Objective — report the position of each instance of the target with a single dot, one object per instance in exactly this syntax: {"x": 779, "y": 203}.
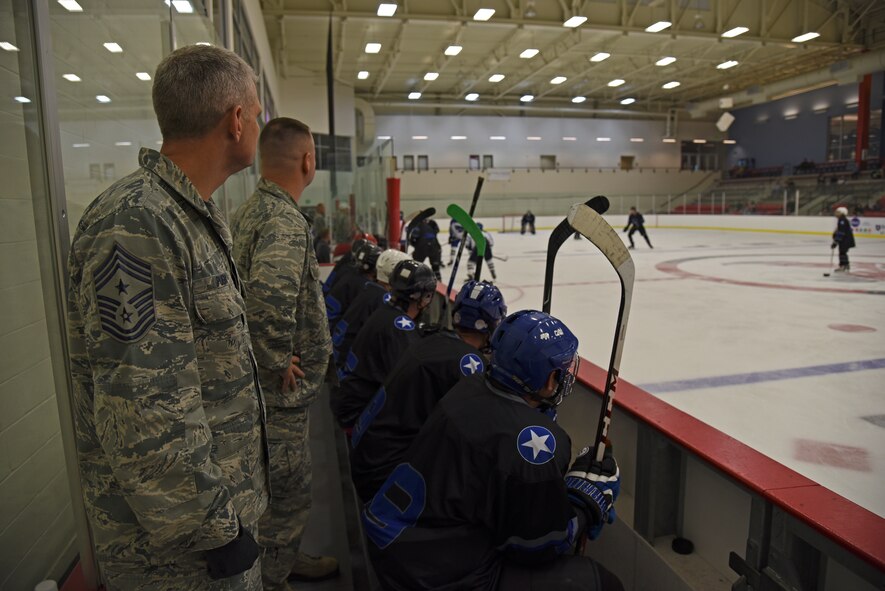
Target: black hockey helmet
{"x": 412, "y": 280}
{"x": 367, "y": 257}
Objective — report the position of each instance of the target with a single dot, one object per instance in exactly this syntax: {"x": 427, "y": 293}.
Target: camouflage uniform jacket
{"x": 273, "y": 249}
{"x": 169, "y": 416}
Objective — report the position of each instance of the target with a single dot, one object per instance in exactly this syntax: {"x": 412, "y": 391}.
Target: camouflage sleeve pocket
{"x": 218, "y": 304}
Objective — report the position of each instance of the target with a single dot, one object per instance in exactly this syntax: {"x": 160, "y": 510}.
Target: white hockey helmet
{"x": 841, "y": 211}
{"x": 387, "y": 260}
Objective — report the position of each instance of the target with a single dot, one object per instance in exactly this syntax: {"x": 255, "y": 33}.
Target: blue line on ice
{"x": 762, "y": 376}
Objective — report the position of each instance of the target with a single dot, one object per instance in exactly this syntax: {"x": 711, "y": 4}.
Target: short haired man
{"x": 166, "y": 399}
{"x": 273, "y": 247}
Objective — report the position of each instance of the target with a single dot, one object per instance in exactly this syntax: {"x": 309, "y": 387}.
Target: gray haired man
{"x": 169, "y": 416}
{"x": 274, "y": 250}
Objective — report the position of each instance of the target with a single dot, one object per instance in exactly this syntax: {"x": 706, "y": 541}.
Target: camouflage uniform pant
{"x": 282, "y": 525}
{"x": 182, "y": 578}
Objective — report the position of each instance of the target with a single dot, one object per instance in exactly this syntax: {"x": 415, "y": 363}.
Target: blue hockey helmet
{"x": 479, "y": 306}
{"x": 527, "y": 347}
{"x": 479, "y": 225}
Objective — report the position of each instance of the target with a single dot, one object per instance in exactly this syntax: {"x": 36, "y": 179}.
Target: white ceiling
{"x": 413, "y": 41}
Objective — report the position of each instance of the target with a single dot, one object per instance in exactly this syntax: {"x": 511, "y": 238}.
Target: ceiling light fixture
{"x": 496, "y": 77}
{"x": 529, "y": 53}
{"x": 453, "y": 50}
{"x": 670, "y": 85}
{"x": 79, "y": 145}
{"x": 729, "y": 141}
{"x": 419, "y": 137}
{"x": 203, "y": 43}
{"x": 735, "y": 32}
{"x": 71, "y": 5}
{"x": 805, "y": 37}
{"x": 183, "y": 6}
{"x": 431, "y": 76}
{"x": 569, "y": 138}
{"x": 22, "y": 99}
{"x": 385, "y": 9}
{"x": 665, "y": 61}
{"x": 628, "y": 101}
{"x": 71, "y": 77}
{"x": 122, "y": 143}
{"x": 472, "y": 96}
{"x": 669, "y": 140}
{"x": 527, "y": 98}
{"x": 534, "y": 138}
{"x": 7, "y": 46}
{"x": 579, "y": 99}
{"x": 575, "y": 21}
{"x": 658, "y": 27}
{"x": 373, "y": 47}
{"x": 144, "y": 76}
{"x": 113, "y": 47}
{"x": 383, "y": 137}
{"x": 498, "y": 138}
{"x": 102, "y": 98}
{"x": 699, "y": 141}
{"x": 558, "y": 80}
{"x": 726, "y": 65}
{"x": 459, "y": 137}
{"x": 414, "y": 96}
{"x": 483, "y": 14}
{"x": 637, "y": 140}
{"x": 603, "y": 139}
{"x": 616, "y": 82}
{"x": 362, "y": 75}
{"x": 600, "y": 56}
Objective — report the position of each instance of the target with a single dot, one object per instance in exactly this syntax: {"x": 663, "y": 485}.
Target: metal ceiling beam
{"x": 392, "y": 59}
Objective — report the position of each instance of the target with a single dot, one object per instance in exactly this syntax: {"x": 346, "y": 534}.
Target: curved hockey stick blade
{"x": 479, "y": 182}
{"x": 470, "y": 227}
{"x": 418, "y": 217}
{"x": 560, "y": 234}
{"x": 594, "y": 228}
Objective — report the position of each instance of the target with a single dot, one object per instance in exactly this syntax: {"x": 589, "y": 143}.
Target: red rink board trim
{"x": 858, "y": 530}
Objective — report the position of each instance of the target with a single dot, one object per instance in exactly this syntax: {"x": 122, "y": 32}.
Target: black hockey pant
{"x": 843, "y": 255}
{"x": 566, "y": 573}
{"x": 641, "y": 230}
{"x": 432, "y": 252}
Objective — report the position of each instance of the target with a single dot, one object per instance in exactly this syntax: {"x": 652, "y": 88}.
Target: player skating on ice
{"x": 424, "y": 238}
{"x": 484, "y": 498}
{"x": 528, "y": 221}
{"x": 389, "y": 331}
{"x": 843, "y": 237}
{"x": 421, "y": 378}
{"x": 636, "y": 223}
{"x": 456, "y": 234}
{"x": 474, "y": 257}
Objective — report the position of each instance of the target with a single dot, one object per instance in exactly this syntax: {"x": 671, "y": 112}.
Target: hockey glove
{"x": 833, "y": 245}
{"x": 235, "y": 557}
{"x": 594, "y": 487}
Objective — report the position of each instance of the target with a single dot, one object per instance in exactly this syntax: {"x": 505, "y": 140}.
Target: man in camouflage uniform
{"x": 274, "y": 251}
{"x": 168, "y": 410}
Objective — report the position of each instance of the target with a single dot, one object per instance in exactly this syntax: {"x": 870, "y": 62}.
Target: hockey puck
{"x": 826, "y": 274}
{"x": 682, "y": 546}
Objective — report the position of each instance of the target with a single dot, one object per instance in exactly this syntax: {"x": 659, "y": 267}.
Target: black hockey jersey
{"x": 378, "y": 346}
{"x": 844, "y": 236}
{"x": 636, "y": 220}
{"x": 482, "y": 482}
{"x": 342, "y": 268}
{"x": 343, "y": 334}
{"x": 342, "y": 295}
{"x": 386, "y": 428}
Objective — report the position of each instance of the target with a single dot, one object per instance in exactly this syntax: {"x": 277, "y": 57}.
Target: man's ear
{"x": 235, "y": 122}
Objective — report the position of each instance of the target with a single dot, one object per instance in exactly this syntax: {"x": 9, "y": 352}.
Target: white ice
{"x": 753, "y": 302}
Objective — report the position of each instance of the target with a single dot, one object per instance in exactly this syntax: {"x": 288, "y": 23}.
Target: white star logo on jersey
{"x": 471, "y": 364}
{"x": 387, "y": 297}
{"x": 536, "y": 444}
{"x": 404, "y": 323}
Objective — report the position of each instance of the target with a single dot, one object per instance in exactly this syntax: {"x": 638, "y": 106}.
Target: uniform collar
{"x": 271, "y": 188}
{"x": 175, "y": 178}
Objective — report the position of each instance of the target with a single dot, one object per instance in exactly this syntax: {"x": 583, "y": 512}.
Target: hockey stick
{"x": 501, "y": 257}
{"x": 832, "y": 252}
{"x": 594, "y": 228}
{"x": 479, "y": 181}
{"x": 417, "y": 218}
{"x": 557, "y": 238}
{"x": 471, "y": 229}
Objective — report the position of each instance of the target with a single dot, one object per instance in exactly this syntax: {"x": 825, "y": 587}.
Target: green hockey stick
{"x": 462, "y": 217}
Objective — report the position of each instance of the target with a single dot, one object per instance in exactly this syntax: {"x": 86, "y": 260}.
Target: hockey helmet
{"x": 479, "y": 306}
{"x": 479, "y": 225}
{"x": 367, "y": 257}
{"x": 387, "y": 260}
{"x": 527, "y": 347}
{"x": 842, "y": 211}
{"x": 412, "y": 280}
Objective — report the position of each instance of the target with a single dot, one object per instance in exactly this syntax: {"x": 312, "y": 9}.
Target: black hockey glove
{"x": 594, "y": 487}
{"x": 833, "y": 245}
{"x": 235, "y": 557}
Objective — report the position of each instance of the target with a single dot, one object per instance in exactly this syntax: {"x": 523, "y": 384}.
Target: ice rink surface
{"x": 742, "y": 331}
